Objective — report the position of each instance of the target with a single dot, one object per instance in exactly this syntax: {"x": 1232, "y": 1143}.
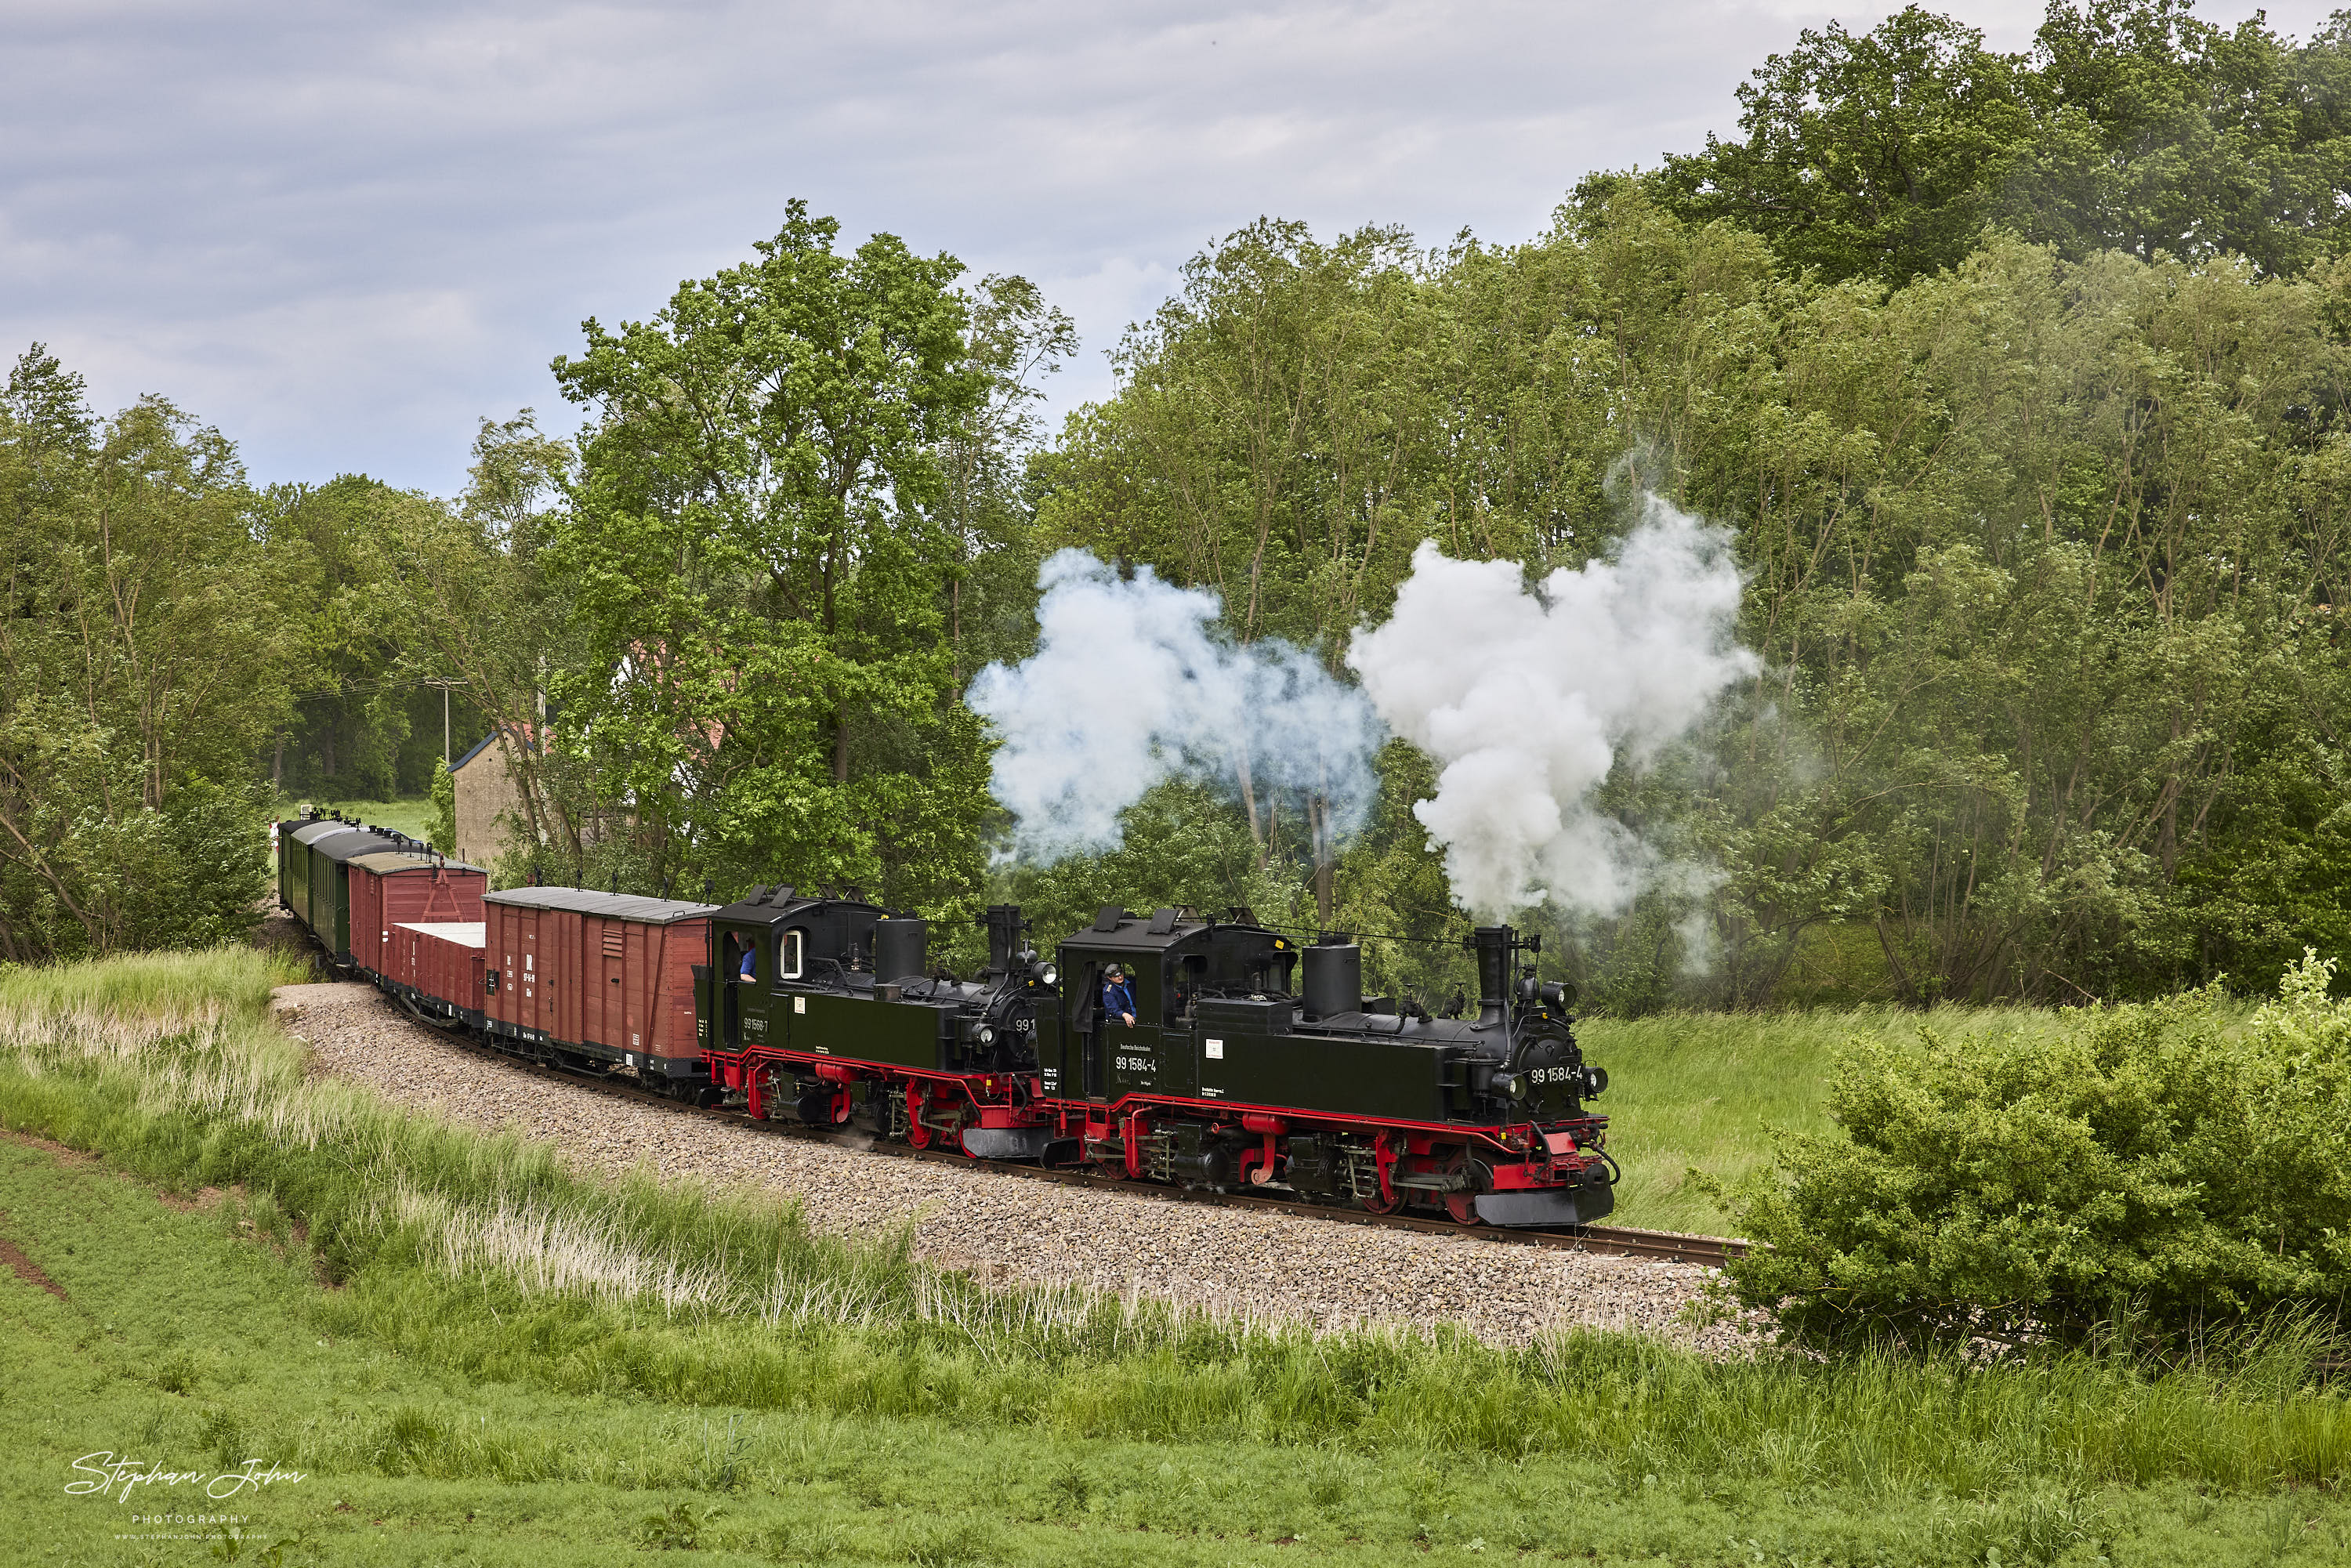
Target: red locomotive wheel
{"x": 1374, "y": 1204}
{"x": 1462, "y": 1207}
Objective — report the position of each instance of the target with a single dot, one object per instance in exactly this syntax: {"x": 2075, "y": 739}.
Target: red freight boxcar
{"x": 395, "y": 887}
{"x": 604, "y": 976}
{"x": 437, "y": 966}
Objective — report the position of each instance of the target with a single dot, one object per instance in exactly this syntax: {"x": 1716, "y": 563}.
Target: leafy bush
{"x": 2169, "y": 1165}
{"x": 443, "y": 832}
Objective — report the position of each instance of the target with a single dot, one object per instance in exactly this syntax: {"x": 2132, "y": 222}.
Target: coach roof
{"x": 355, "y": 842}
{"x": 612, "y": 906}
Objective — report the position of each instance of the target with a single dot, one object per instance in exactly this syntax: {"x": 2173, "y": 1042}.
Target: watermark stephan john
{"x": 119, "y": 1476}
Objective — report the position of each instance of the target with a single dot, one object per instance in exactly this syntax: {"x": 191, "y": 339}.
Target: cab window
{"x": 1184, "y": 987}
{"x": 741, "y": 956}
{"x": 1144, "y": 980}
{"x": 788, "y": 954}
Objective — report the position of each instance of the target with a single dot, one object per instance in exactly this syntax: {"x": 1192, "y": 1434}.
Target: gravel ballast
{"x": 1008, "y": 1230}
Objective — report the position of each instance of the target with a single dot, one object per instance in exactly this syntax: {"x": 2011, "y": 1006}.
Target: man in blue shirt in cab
{"x": 1117, "y": 996}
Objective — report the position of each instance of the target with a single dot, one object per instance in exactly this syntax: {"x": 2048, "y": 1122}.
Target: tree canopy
{"x": 2129, "y": 125}
{"x": 785, "y": 468}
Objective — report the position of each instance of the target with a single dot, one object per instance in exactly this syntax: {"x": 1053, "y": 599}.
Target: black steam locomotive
{"x": 1251, "y": 1062}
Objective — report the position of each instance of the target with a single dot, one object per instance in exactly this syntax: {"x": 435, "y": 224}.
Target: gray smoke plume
{"x": 1525, "y": 700}
{"x": 1127, "y": 688}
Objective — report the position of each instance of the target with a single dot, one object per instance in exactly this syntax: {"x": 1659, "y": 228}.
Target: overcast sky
{"x": 341, "y": 232}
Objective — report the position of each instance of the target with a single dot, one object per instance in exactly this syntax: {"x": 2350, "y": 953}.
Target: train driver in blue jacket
{"x": 1117, "y": 996}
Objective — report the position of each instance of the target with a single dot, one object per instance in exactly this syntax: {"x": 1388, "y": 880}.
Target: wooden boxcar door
{"x": 640, "y": 983}
{"x": 526, "y": 935}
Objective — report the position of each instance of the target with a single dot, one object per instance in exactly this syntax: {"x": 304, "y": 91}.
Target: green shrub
{"x": 443, "y": 832}
{"x": 2167, "y": 1166}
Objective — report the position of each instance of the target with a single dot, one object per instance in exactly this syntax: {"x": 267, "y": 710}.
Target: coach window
{"x": 788, "y": 956}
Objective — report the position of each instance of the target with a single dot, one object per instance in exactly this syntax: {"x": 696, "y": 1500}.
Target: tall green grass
{"x": 486, "y": 1255}
{"x": 172, "y": 990}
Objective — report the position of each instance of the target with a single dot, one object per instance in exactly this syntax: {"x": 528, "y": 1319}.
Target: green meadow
{"x": 468, "y": 1354}
{"x": 1706, "y": 1092}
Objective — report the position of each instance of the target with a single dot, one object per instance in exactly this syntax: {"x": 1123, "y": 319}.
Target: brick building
{"x": 489, "y": 801}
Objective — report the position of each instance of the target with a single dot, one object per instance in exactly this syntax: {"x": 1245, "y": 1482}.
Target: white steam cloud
{"x": 1524, "y": 700}
{"x": 1127, "y": 688}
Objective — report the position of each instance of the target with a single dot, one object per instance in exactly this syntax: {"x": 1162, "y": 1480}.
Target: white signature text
{"x": 103, "y": 1472}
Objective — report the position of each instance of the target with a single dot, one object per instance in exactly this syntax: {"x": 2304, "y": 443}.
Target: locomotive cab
{"x": 1174, "y": 961}
{"x": 829, "y": 1003}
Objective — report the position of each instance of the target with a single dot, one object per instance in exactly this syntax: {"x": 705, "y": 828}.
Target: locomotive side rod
{"x": 1663, "y": 1246}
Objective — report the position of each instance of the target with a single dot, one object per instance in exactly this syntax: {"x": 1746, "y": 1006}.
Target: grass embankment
{"x": 500, "y": 1361}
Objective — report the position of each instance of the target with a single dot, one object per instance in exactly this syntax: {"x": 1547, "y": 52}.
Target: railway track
{"x": 1665, "y": 1246}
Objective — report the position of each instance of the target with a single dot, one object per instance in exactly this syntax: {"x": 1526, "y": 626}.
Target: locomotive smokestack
{"x": 1003, "y": 935}
{"x": 1492, "y": 944}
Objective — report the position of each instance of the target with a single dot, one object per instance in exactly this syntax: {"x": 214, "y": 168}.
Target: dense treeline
{"x": 2043, "y": 514}
{"x": 2020, "y": 379}
{"x": 2043, "y": 557}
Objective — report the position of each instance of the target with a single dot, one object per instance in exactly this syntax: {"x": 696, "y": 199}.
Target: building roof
{"x": 614, "y": 905}
{"x": 473, "y": 751}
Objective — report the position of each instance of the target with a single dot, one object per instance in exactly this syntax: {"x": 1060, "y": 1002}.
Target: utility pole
{"x": 447, "y": 755}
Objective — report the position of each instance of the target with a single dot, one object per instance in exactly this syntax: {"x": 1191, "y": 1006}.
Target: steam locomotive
{"x": 1252, "y": 1063}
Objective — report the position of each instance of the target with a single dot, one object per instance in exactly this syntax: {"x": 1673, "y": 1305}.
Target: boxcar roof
{"x": 385, "y": 862}
{"x": 615, "y": 906}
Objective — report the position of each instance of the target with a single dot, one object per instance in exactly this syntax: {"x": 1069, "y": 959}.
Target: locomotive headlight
{"x": 1513, "y": 1084}
{"x": 1048, "y": 974}
{"x": 986, "y": 1034}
